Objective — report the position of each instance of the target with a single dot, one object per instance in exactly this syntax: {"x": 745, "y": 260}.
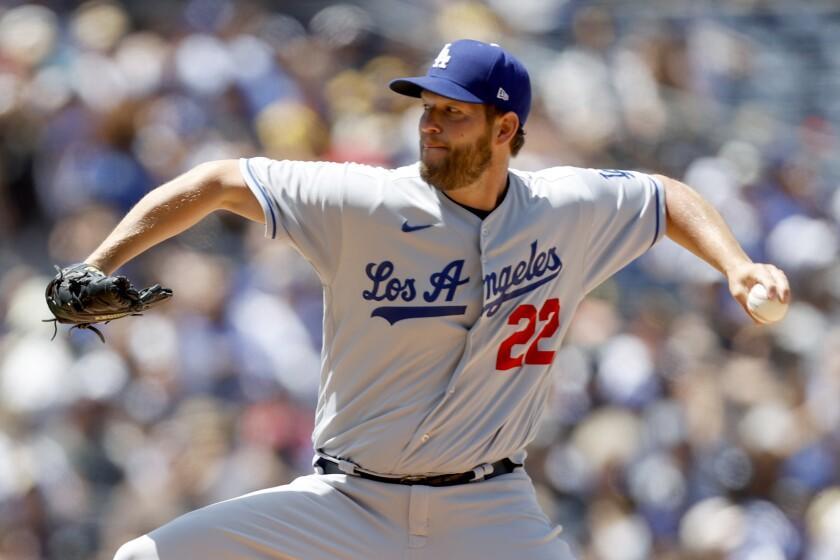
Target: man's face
{"x": 455, "y": 142}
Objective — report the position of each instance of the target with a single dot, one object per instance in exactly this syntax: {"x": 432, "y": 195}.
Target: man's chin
{"x": 430, "y": 174}
{"x": 433, "y": 159}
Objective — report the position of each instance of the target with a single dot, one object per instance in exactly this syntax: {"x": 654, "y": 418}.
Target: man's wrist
{"x": 732, "y": 267}
{"x": 98, "y": 263}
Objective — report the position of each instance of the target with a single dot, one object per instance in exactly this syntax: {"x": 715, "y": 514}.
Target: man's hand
{"x": 744, "y": 276}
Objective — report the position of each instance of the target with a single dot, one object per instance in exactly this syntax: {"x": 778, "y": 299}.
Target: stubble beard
{"x": 461, "y": 167}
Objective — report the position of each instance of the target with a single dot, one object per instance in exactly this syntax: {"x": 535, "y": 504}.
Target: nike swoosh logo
{"x": 406, "y": 227}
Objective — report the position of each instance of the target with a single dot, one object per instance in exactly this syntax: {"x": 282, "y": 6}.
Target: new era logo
{"x": 503, "y": 95}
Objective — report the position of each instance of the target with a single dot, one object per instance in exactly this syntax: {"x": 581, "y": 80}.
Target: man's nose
{"x": 428, "y": 124}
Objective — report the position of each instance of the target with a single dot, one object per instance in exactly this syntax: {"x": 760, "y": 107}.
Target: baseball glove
{"x": 83, "y": 295}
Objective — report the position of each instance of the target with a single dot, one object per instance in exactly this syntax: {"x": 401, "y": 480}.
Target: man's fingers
{"x": 782, "y": 284}
{"x": 775, "y": 281}
{"x": 762, "y": 275}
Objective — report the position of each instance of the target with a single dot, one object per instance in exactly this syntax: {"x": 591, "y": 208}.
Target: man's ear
{"x": 507, "y": 124}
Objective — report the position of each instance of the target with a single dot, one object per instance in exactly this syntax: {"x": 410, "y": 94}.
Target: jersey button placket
{"x": 483, "y": 249}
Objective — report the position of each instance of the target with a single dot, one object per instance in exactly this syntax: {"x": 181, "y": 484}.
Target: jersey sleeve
{"x": 302, "y": 202}
{"x": 626, "y": 217}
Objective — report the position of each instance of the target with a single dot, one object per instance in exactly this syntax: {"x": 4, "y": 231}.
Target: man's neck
{"x": 486, "y": 193}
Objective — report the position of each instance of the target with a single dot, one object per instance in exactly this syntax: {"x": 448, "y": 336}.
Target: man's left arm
{"x": 698, "y": 226}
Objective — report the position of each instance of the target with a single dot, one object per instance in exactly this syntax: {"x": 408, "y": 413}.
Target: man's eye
{"x": 452, "y": 110}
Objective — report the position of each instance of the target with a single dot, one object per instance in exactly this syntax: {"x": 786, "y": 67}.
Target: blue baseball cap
{"x": 474, "y": 72}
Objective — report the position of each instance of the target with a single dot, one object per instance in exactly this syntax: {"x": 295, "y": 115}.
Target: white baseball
{"x": 764, "y": 309}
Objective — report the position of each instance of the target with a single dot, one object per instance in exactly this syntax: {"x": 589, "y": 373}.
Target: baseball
{"x": 764, "y": 309}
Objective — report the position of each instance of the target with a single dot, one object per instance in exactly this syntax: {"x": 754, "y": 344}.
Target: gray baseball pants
{"x": 345, "y": 517}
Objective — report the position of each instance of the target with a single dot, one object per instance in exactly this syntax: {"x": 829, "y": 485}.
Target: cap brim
{"x": 413, "y": 87}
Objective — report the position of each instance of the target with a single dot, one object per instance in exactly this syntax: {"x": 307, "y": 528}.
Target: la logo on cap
{"x": 443, "y": 57}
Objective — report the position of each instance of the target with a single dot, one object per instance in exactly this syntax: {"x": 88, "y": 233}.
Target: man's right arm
{"x": 174, "y": 207}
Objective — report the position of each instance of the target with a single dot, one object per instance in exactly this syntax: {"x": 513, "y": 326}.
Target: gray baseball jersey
{"x": 440, "y": 328}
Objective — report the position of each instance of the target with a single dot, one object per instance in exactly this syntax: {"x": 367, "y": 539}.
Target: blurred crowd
{"x": 677, "y": 428}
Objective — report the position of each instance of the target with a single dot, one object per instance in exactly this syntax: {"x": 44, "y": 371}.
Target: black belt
{"x": 484, "y": 472}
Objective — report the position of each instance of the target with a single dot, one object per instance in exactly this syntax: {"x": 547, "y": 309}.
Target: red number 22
{"x": 549, "y": 312}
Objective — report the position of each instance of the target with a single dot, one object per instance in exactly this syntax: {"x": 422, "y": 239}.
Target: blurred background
{"x": 677, "y": 429}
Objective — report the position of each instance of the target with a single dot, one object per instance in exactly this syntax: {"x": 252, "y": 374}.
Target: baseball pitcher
{"x": 448, "y": 287}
